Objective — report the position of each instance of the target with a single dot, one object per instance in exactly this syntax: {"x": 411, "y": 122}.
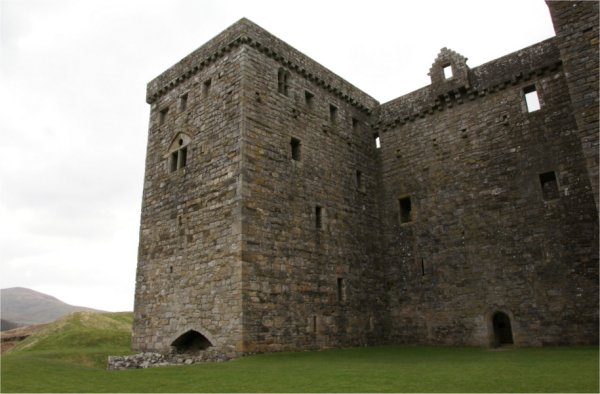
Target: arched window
{"x": 178, "y": 152}
{"x": 283, "y": 79}
{"x": 190, "y": 342}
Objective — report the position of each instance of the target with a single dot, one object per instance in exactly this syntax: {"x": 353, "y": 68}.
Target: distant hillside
{"x": 23, "y": 306}
{"x": 7, "y": 325}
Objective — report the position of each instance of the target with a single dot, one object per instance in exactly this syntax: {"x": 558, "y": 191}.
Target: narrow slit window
{"x": 162, "y": 116}
{"x": 308, "y": 98}
{"x": 183, "y": 102}
{"x": 295, "y": 143}
{"x": 377, "y": 141}
{"x": 532, "y": 100}
{"x": 405, "y": 210}
{"x": 206, "y": 87}
{"x": 549, "y": 186}
{"x": 448, "y": 72}
{"x": 183, "y": 157}
{"x": 332, "y": 113}
{"x": 422, "y": 267}
{"x": 314, "y": 324}
{"x": 360, "y": 186}
{"x": 341, "y": 290}
{"x": 318, "y": 217}
{"x": 283, "y": 77}
{"x": 174, "y": 160}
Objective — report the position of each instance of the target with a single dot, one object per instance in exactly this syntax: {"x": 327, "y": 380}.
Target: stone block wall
{"x": 271, "y": 220}
{"x": 482, "y": 235}
{"x": 189, "y": 271}
{"x": 308, "y": 282}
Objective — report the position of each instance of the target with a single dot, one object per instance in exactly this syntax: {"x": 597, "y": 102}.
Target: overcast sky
{"x": 73, "y": 117}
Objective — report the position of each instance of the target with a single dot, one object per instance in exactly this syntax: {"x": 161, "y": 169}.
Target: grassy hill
{"x": 24, "y": 306}
{"x": 70, "y": 355}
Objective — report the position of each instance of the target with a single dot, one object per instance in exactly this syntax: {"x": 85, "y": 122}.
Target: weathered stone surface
{"x": 271, "y": 221}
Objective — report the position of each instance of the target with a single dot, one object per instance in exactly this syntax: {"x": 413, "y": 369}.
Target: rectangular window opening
{"x": 162, "y": 116}
{"x": 531, "y": 99}
{"x": 182, "y": 157}
{"x": 314, "y": 324}
{"x": 405, "y": 210}
{"x": 173, "y": 164}
{"x": 422, "y": 267}
{"x": 341, "y": 290}
{"x": 318, "y": 217}
{"x": 377, "y": 140}
{"x": 308, "y": 98}
{"x": 333, "y": 113}
{"x": 448, "y": 72}
{"x": 183, "y": 102}
{"x": 295, "y": 143}
{"x": 549, "y": 186}
{"x": 360, "y": 186}
{"x": 206, "y": 87}
{"x": 355, "y": 124}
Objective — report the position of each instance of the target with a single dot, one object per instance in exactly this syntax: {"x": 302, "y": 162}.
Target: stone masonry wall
{"x": 307, "y": 287}
{"x": 271, "y": 221}
{"x": 481, "y": 236}
{"x": 189, "y": 271}
{"x": 576, "y": 26}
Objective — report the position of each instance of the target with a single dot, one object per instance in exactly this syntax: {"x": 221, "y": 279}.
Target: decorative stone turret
{"x": 449, "y": 72}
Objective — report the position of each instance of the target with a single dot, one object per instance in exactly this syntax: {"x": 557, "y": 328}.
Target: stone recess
{"x": 271, "y": 220}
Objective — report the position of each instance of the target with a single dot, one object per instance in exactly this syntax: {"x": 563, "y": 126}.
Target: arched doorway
{"x": 502, "y": 329}
{"x": 191, "y": 342}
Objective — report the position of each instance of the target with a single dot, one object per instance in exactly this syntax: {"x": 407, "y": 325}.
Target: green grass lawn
{"x": 59, "y": 363}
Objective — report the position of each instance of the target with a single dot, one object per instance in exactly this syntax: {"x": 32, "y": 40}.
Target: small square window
{"x": 295, "y": 143}
{"x": 549, "y": 186}
{"x": 405, "y": 210}
{"x": 448, "y": 72}
{"x": 532, "y": 100}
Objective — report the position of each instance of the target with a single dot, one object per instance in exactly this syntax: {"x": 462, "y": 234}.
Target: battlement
{"x": 245, "y": 32}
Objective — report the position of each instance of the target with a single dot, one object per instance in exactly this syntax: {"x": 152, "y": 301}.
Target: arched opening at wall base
{"x": 502, "y": 330}
{"x": 191, "y": 342}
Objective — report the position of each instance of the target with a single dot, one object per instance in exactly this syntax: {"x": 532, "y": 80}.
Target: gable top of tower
{"x": 245, "y": 32}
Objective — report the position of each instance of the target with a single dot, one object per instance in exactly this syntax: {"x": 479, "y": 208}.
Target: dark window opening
{"x": 162, "y": 116}
{"x": 206, "y": 87}
{"x": 422, "y": 267}
{"x": 318, "y": 217}
{"x": 283, "y": 77}
{"x": 360, "y": 186}
{"x": 183, "y": 157}
{"x": 295, "y": 143}
{"x": 405, "y": 210}
{"x": 549, "y": 186}
{"x": 502, "y": 329}
{"x": 183, "y": 102}
{"x": 448, "y": 72}
{"x": 174, "y": 160}
{"x": 532, "y": 100}
{"x": 354, "y": 123}
{"x": 314, "y": 324}
{"x": 308, "y": 98}
{"x": 191, "y": 342}
{"x": 341, "y": 290}
{"x": 171, "y": 269}
{"x": 333, "y": 113}
{"x": 377, "y": 141}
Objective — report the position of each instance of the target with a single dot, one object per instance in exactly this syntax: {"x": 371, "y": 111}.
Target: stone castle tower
{"x": 285, "y": 209}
